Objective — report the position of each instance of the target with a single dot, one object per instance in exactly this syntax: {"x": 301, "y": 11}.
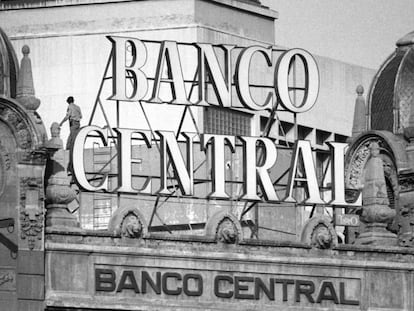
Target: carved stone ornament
{"x": 30, "y": 183}
{"x": 19, "y": 126}
{"x": 5, "y": 162}
{"x": 227, "y": 231}
{"x": 6, "y": 157}
{"x": 131, "y": 226}
{"x": 31, "y": 224}
{"x": 24, "y": 132}
{"x": 128, "y": 222}
{"x": 31, "y": 212}
{"x": 356, "y": 163}
{"x": 406, "y": 183}
{"x": 406, "y": 216}
{"x": 406, "y": 236}
{"x": 359, "y": 159}
{"x": 319, "y": 232}
{"x": 7, "y": 277}
{"x": 224, "y": 227}
{"x": 376, "y": 213}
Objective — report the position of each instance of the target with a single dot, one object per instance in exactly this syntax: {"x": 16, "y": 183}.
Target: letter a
{"x": 303, "y": 147}
{"x": 169, "y": 53}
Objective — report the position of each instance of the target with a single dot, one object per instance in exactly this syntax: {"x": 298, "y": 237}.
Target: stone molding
{"x": 249, "y": 7}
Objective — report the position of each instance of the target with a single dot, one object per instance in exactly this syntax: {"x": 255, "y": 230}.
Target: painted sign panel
{"x": 350, "y": 220}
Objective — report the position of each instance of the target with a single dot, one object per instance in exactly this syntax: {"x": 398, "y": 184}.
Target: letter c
{"x": 217, "y": 291}
{"x": 165, "y": 289}
{"x": 77, "y": 161}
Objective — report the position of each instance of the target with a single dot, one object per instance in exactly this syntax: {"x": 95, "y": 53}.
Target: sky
{"x": 361, "y": 32}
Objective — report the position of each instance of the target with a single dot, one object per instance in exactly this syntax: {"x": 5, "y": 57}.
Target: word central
{"x": 257, "y": 183}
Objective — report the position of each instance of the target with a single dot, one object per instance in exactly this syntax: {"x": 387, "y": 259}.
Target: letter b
{"x": 137, "y": 85}
{"x": 104, "y": 280}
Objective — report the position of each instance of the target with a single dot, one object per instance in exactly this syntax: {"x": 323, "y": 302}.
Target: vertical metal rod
{"x": 118, "y": 123}
{"x": 295, "y": 126}
{"x": 295, "y": 120}
{"x": 117, "y": 114}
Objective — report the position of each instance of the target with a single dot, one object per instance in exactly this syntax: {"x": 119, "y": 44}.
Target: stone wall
{"x": 100, "y": 271}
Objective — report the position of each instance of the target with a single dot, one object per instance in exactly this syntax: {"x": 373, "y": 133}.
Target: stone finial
{"x": 55, "y": 130}
{"x": 407, "y": 40}
{"x": 376, "y": 213}
{"x": 58, "y": 191}
{"x": 360, "y": 124}
{"x": 25, "y": 92}
{"x": 55, "y": 142}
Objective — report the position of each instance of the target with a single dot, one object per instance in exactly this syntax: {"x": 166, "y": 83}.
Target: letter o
{"x": 198, "y": 279}
{"x": 354, "y": 221}
{"x": 311, "y": 80}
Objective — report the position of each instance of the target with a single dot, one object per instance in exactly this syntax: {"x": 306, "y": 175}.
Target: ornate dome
{"x": 9, "y": 67}
{"x": 392, "y": 91}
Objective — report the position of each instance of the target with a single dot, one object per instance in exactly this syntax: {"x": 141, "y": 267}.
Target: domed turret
{"x": 9, "y": 67}
{"x": 392, "y": 91}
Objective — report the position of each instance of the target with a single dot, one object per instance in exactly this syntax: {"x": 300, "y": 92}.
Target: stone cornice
{"x": 22, "y": 4}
